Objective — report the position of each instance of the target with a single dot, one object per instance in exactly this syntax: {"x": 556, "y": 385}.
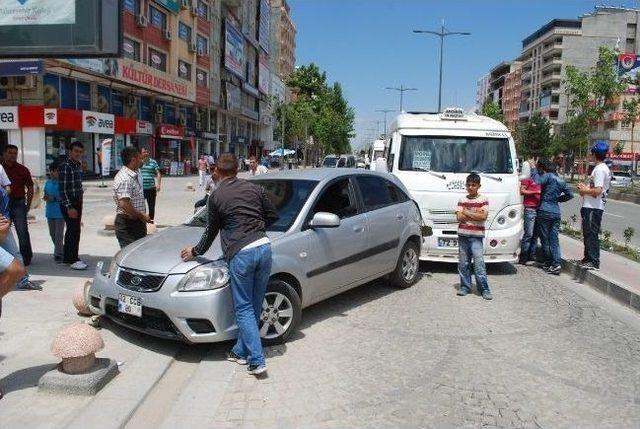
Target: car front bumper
{"x": 193, "y": 317}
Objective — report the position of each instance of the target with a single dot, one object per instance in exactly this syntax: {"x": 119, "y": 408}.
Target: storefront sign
{"x": 234, "y": 50}
{"x": 37, "y": 12}
{"x": 234, "y": 98}
{"x": 144, "y": 127}
{"x": 147, "y": 77}
{"x": 98, "y": 123}
{"x": 95, "y": 65}
{"x": 9, "y": 118}
{"x": 263, "y": 74}
{"x": 207, "y": 135}
{"x": 171, "y": 5}
{"x": 264, "y": 25}
{"x": 51, "y": 116}
{"x": 170, "y": 131}
{"x": 21, "y": 68}
{"x": 625, "y": 156}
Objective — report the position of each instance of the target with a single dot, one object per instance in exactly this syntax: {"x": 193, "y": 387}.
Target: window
{"x": 132, "y": 6}
{"x": 184, "y": 32}
{"x": 202, "y": 78}
{"x": 337, "y": 199}
{"x": 184, "y": 70}
{"x": 157, "y": 60}
{"x": 130, "y": 49}
{"x": 375, "y": 192}
{"x": 157, "y": 18}
{"x": 342, "y": 163}
{"x": 203, "y": 10}
{"x": 202, "y": 44}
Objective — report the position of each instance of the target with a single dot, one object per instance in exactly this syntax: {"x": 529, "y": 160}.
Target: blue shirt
{"x": 4, "y": 203}
{"x": 52, "y": 189}
{"x": 554, "y": 191}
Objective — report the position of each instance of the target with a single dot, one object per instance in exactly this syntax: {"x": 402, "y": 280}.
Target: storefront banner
{"x": 234, "y": 50}
{"x": 37, "y": 12}
{"x": 170, "y": 132}
{"x": 234, "y": 98}
{"x": 144, "y": 127}
{"x": 98, "y": 123}
{"x": 265, "y": 25}
{"x": 21, "y": 68}
{"x": 263, "y": 74}
{"x": 106, "y": 156}
{"x": 147, "y": 77}
{"x": 51, "y": 116}
{"x": 9, "y": 118}
{"x": 171, "y": 5}
{"x": 95, "y": 65}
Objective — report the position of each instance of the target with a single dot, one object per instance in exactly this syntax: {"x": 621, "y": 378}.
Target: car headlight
{"x": 205, "y": 277}
{"x": 113, "y": 267}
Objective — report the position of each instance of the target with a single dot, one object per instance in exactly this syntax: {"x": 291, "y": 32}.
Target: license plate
{"x": 129, "y": 305}
{"x": 447, "y": 242}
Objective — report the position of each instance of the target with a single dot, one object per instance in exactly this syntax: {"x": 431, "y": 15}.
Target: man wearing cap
{"x": 594, "y": 198}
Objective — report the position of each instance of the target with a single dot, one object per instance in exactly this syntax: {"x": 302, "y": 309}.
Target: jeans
{"x": 203, "y": 175}
{"x": 72, "y": 234}
{"x": 56, "y": 231}
{"x": 150, "y": 196}
{"x": 549, "y": 228}
{"x": 9, "y": 244}
{"x": 249, "y": 271}
{"x": 591, "y": 221}
{"x": 129, "y": 230}
{"x": 18, "y": 211}
{"x": 528, "y": 243}
{"x": 471, "y": 250}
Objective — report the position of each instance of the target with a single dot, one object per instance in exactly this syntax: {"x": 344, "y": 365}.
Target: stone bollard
{"x": 80, "y": 299}
{"x": 79, "y": 372}
{"x": 109, "y": 222}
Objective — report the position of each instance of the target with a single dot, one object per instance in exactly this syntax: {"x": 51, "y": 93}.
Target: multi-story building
{"x": 497, "y": 77}
{"x": 284, "y": 42}
{"x": 194, "y": 78}
{"x": 511, "y": 95}
{"x": 482, "y": 91}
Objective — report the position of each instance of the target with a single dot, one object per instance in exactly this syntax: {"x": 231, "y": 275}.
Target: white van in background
{"x": 378, "y": 149}
{"x": 432, "y": 154}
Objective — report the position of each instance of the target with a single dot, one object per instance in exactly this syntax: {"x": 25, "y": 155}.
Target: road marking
{"x": 611, "y": 214}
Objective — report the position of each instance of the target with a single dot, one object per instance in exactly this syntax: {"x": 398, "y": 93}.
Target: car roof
{"x": 320, "y": 174}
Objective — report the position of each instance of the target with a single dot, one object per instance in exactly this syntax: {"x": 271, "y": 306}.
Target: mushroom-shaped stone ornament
{"x": 77, "y": 345}
{"x": 80, "y": 299}
{"x": 109, "y": 222}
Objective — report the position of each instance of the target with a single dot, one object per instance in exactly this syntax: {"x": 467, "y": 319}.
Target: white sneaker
{"x": 78, "y": 265}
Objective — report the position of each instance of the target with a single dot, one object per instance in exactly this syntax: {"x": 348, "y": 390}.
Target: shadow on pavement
{"x": 24, "y": 378}
{"x": 499, "y": 269}
{"x": 43, "y": 265}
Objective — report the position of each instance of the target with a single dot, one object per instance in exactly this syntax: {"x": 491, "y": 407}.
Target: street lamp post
{"x": 401, "y": 90}
{"x": 442, "y": 34}
{"x": 385, "y": 111}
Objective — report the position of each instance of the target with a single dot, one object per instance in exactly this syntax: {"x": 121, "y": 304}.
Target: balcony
{"x": 552, "y": 48}
{"x": 526, "y": 76}
{"x": 555, "y": 64}
{"x": 550, "y": 78}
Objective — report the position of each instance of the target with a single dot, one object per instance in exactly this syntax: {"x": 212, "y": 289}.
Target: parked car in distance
{"x": 339, "y": 161}
{"x": 360, "y": 163}
{"x": 338, "y": 229}
{"x": 621, "y": 179}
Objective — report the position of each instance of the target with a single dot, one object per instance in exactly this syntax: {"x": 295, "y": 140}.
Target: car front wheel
{"x": 281, "y": 312}
{"x": 406, "y": 273}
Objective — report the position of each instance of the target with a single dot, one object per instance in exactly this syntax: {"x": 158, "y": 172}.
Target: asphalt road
{"x": 618, "y": 216}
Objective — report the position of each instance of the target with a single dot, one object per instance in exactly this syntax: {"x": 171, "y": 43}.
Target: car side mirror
{"x": 324, "y": 220}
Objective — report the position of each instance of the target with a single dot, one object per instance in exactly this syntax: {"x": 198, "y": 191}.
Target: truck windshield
{"x": 455, "y": 154}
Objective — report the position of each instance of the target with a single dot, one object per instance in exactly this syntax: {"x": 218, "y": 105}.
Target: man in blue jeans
{"x": 241, "y": 211}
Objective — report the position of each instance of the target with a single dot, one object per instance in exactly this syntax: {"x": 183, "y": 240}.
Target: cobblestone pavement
{"x": 539, "y": 355}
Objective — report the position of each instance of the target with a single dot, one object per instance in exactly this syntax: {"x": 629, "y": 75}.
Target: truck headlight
{"x": 205, "y": 277}
{"x": 507, "y": 217}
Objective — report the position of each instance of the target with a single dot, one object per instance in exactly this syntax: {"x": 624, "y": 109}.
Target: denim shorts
{"x": 6, "y": 259}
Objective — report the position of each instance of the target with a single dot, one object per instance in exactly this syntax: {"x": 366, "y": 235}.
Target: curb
{"x": 622, "y": 196}
{"x": 607, "y": 287}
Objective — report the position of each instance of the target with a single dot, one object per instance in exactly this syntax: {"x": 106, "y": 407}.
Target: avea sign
{"x": 9, "y": 118}
{"x": 98, "y": 123}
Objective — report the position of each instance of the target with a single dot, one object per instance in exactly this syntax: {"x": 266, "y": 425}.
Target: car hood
{"x": 160, "y": 252}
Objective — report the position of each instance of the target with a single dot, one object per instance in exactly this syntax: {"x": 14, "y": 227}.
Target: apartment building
{"x": 511, "y": 95}
{"x": 284, "y": 40}
{"x": 482, "y": 91}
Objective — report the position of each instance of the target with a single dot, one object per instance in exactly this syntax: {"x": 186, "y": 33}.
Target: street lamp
{"x": 385, "y": 111}
{"x": 401, "y": 90}
{"x": 442, "y": 34}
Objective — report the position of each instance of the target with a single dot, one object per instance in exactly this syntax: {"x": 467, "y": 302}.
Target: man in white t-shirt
{"x": 256, "y": 169}
{"x": 594, "y": 196}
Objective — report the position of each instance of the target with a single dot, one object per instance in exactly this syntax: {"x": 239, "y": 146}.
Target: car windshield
{"x": 456, "y": 154}
{"x": 330, "y": 162}
{"x": 288, "y": 197}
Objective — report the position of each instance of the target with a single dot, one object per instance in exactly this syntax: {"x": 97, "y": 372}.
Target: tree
{"x": 618, "y": 148}
{"x": 492, "y": 110}
{"x": 534, "y": 137}
{"x": 631, "y": 109}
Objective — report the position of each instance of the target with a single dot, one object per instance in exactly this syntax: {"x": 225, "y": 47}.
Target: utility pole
{"x": 442, "y": 34}
{"x": 385, "y": 111}
{"x": 401, "y": 90}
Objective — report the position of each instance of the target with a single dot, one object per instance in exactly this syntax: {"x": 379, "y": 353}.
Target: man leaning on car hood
{"x": 241, "y": 211}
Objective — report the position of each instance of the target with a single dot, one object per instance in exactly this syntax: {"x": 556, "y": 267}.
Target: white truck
{"x": 377, "y": 151}
{"x": 432, "y": 154}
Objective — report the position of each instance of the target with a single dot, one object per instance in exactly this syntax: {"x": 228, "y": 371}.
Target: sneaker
{"x": 487, "y": 295}
{"x": 555, "y": 270}
{"x": 78, "y": 265}
{"x": 28, "y": 285}
{"x": 232, "y": 357}
{"x": 257, "y": 369}
{"x": 463, "y": 291}
{"x": 590, "y": 266}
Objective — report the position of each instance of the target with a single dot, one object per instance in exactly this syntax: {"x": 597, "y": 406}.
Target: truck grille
{"x": 139, "y": 282}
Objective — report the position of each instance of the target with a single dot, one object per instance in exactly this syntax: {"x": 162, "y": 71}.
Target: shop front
{"x": 142, "y": 138}
{"x": 174, "y": 150}
{"x": 207, "y": 143}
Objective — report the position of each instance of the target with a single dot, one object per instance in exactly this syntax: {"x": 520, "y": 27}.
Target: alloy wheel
{"x": 277, "y": 315}
{"x": 409, "y": 264}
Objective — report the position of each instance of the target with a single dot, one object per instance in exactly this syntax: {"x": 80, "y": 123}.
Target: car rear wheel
{"x": 281, "y": 312}
{"x": 407, "y": 268}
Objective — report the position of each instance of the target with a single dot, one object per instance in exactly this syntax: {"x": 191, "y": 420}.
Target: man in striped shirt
{"x": 472, "y": 212}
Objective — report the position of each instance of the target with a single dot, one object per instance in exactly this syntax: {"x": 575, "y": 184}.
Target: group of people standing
{"x": 543, "y": 192}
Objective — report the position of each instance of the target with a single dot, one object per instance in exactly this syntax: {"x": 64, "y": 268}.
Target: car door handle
{"x": 358, "y": 229}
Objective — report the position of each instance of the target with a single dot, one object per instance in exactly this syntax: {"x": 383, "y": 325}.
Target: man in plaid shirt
{"x": 71, "y": 195}
{"x": 131, "y": 217}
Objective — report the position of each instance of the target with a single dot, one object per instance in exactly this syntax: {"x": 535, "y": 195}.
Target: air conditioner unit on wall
{"x": 159, "y": 109}
{"x": 193, "y": 47}
{"x": 141, "y": 21}
{"x": 181, "y": 121}
{"x": 6, "y": 82}
{"x": 167, "y": 34}
{"x": 24, "y": 82}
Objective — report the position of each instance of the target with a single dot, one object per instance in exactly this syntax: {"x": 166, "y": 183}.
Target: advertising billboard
{"x": 60, "y": 28}
{"x": 263, "y": 74}
{"x": 234, "y": 50}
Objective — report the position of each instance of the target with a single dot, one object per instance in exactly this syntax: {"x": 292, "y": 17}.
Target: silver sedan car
{"x": 338, "y": 229}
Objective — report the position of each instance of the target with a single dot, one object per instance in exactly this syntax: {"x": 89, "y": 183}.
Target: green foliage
{"x": 534, "y": 137}
{"x": 618, "y": 148}
{"x": 628, "y": 235}
{"x": 492, "y": 110}
{"x": 571, "y": 136}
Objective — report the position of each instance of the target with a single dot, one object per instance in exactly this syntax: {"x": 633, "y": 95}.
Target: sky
{"x": 368, "y": 45}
